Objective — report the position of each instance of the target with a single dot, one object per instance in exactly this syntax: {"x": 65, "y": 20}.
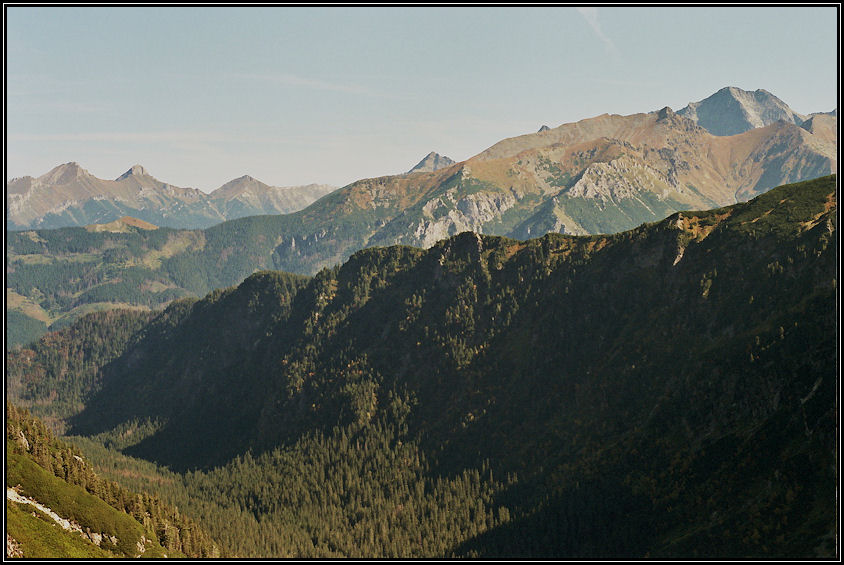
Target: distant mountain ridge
{"x": 69, "y": 195}
{"x": 598, "y": 175}
{"x": 247, "y": 196}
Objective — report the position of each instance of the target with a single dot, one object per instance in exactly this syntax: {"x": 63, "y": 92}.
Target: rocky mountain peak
{"x": 134, "y": 171}
{"x": 432, "y": 162}
{"x": 731, "y": 111}
{"x": 665, "y": 113}
{"x": 543, "y": 128}
{"x": 239, "y": 186}
{"x": 63, "y": 174}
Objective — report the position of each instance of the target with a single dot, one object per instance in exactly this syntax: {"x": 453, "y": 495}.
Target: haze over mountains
{"x": 69, "y": 195}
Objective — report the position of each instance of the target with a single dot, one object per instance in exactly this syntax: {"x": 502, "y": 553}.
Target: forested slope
{"x": 667, "y": 391}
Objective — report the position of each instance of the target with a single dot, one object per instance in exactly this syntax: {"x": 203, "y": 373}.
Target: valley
{"x": 484, "y": 396}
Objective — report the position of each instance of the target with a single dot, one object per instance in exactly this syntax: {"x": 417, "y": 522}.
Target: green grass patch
{"x": 39, "y": 537}
{"x": 73, "y": 503}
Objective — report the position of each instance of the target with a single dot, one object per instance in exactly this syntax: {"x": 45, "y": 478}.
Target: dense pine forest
{"x": 666, "y": 392}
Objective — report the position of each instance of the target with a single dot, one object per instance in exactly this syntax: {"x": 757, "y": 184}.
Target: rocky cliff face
{"x": 450, "y": 214}
{"x": 732, "y": 110}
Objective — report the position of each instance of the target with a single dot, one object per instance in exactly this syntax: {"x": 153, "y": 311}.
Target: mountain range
{"x": 600, "y": 175}
{"x": 69, "y": 195}
{"x": 667, "y": 392}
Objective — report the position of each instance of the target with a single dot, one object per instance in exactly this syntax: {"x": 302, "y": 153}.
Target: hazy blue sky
{"x": 200, "y": 96}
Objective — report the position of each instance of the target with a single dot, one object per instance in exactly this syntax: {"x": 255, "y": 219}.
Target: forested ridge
{"x": 62, "y": 368}
{"x": 669, "y": 391}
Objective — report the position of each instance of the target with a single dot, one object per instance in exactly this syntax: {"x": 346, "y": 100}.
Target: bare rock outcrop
{"x": 13, "y": 548}
{"x": 448, "y": 215}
